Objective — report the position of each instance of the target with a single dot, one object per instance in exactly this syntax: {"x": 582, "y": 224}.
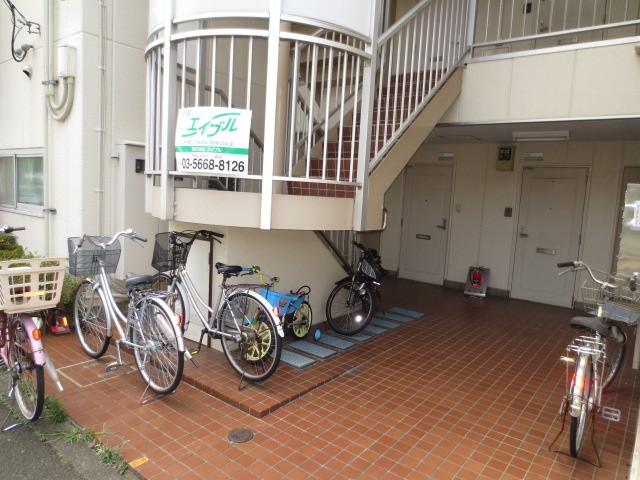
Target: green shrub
{"x": 9, "y": 248}
{"x": 69, "y": 290}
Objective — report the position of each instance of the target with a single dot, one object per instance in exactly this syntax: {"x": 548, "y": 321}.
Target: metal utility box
{"x": 477, "y": 282}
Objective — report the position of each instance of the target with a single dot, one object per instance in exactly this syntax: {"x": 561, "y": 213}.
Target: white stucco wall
{"x": 480, "y": 234}
{"x": 72, "y": 151}
{"x": 298, "y": 258}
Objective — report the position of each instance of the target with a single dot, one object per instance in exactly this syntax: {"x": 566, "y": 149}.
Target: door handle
{"x": 444, "y": 224}
{"x": 522, "y": 232}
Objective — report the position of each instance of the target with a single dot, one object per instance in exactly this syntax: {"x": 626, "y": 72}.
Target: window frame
{"x": 16, "y": 205}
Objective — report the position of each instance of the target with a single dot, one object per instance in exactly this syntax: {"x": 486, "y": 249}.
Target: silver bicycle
{"x": 594, "y": 358}
{"x": 150, "y": 327}
{"x": 250, "y": 333}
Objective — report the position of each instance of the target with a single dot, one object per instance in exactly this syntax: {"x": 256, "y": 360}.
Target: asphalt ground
{"x": 49, "y": 450}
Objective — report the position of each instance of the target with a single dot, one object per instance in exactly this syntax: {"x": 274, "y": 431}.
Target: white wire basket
{"x": 620, "y": 304}
{"x": 31, "y": 284}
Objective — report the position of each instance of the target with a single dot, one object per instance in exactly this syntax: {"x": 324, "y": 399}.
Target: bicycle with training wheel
{"x": 150, "y": 328}
{"x": 293, "y": 308}
{"x": 354, "y": 299}
{"x": 250, "y": 333}
{"x": 594, "y": 358}
{"x": 27, "y": 286}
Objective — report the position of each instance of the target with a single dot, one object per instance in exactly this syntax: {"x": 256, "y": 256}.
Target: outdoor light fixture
{"x": 549, "y": 136}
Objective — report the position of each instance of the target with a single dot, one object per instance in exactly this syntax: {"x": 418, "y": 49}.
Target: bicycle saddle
{"x": 134, "y": 279}
{"x": 225, "y": 269}
{"x": 592, "y": 323}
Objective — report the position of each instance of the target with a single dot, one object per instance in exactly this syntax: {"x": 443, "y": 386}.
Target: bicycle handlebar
{"x": 207, "y": 234}
{"x": 578, "y": 265}
{"x": 127, "y": 233}
{"x": 9, "y": 229}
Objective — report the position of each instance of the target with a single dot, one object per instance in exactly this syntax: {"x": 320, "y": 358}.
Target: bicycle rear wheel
{"x": 302, "y": 320}
{"x": 26, "y": 377}
{"x": 249, "y": 338}
{"x": 349, "y": 308}
{"x": 90, "y": 318}
{"x": 616, "y": 347}
{"x": 581, "y": 399}
{"x": 177, "y": 301}
{"x": 159, "y": 360}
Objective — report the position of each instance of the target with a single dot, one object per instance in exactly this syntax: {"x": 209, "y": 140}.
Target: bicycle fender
{"x": 36, "y": 345}
{"x": 174, "y": 323}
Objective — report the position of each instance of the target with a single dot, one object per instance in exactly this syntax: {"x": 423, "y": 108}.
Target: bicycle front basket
{"x": 371, "y": 269}
{"x": 84, "y": 262}
{"x": 620, "y": 305}
{"x": 167, "y": 254}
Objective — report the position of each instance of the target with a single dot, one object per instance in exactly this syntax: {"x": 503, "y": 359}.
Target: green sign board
{"x": 213, "y": 140}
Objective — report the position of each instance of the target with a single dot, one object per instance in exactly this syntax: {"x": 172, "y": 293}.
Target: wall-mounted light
{"x": 446, "y": 157}
{"x": 532, "y": 157}
{"x": 548, "y": 136}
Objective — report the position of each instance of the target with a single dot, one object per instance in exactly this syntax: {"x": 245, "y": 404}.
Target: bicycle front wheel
{"x": 349, "y": 308}
{"x": 302, "y": 320}
{"x": 581, "y": 402}
{"x": 26, "y": 376}
{"x": 90, "y": 318}
{"x": 249, "y": 338}
{"x": 616, "y": 347}
{"x": 156, "y": 352}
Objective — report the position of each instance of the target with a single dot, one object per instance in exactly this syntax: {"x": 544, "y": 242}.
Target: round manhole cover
{"x": 240, "y": 435}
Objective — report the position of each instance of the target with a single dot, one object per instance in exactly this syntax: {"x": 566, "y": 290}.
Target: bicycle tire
{"x": 581, "y": 392}
{"x": 302, "y": 320}
{"x": 349, "y": 308}
{"x": 157, "y": 356}
{"x": 27, "y": 378}
{"x": 177, "y": 301}
{"x": 616, "y": 348}
{"x": 250, "y": 339}
{"x": 91, "y": 320}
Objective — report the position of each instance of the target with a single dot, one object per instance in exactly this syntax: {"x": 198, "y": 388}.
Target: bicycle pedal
{"x": 610, "y": 413}
{"x": 110, "y": 367}
{"x": 195, "y": 351}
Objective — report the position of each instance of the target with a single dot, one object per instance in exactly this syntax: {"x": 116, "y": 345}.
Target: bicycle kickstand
{"x": 564, "y": 408}
{"x": 113, "y": 366}
{"x": 5, "y": 427}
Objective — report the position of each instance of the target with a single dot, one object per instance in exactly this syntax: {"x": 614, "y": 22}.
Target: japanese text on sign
{"x": 213, "y": 140}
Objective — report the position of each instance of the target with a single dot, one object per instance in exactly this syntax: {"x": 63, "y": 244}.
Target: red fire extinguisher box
{"x": 477, "y": 282}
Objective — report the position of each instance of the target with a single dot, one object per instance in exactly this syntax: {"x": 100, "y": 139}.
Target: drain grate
{"x": 240, "y": 435}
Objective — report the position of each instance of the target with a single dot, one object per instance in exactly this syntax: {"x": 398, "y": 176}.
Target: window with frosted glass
{"x": 30, "y": 181}
{"x": 7, "y": 181}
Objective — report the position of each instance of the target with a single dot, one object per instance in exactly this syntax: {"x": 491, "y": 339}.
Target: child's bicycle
{"x": 293, "y": 308}
{"x": 27, "y": 286}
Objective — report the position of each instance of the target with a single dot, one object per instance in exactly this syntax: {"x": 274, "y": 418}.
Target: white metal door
{"x": 549, "y": 225}
{"x": 425, "y": 220}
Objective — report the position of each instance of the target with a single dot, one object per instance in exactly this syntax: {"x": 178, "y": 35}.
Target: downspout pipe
{"x": 57, "y": 111}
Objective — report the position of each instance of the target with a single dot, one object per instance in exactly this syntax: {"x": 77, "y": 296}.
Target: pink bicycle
{"x": 27, "y": 286}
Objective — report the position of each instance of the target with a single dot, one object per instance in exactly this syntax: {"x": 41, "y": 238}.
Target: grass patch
{"x": 111, "y": 457}
{"x": 54, "y": 410}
